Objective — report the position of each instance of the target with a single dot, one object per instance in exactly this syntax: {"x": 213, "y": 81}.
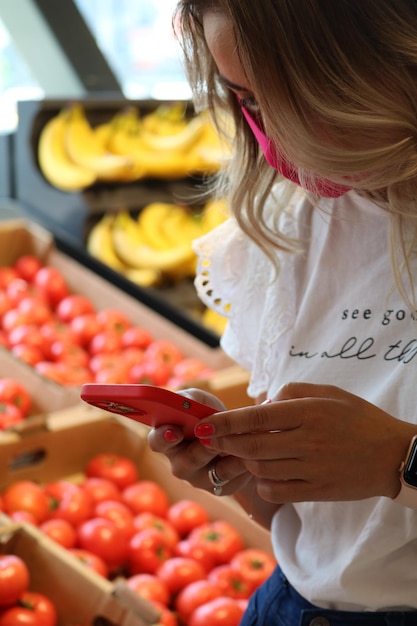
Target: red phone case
{"x": 153, "y": 406}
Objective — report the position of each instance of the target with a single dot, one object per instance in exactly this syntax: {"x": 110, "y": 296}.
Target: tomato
{"x": 24, "y": 516}
{"x": 50, "y": 370}
{"x": 201, "y": 552}
{"x": 194, "y": 595}
{"x": 178, "y": 572}
{"x": 51, "y": 285}
{"x": 69, "y": 502}
{"x": 112, "y": 376}
{"x": 137, "y": 337}
{"x": 7, "y": 274}
{"x": 189, "y": 368}
{"x": 146, "y": 495}
{"x": 14, "y": 318}
{"x": 85, "y": 327}
{"x": 18, "y": 289}
{"x": 32, "y": 609}
{"x": 149, "y": 587}
{"x": 55, "y": 330}
{"x": 166, "y": 617}
{"x": 113, "y": 320}
{"x": 101, "y": 489}
{"x": 150, "y": 520}
{"x": 61, "y": 531}
{"x": 27, "y": 266}
{"x": 105, "y": 539}
{"x": 27, "y": 354}
{"x": 5, "y": 304}
{"x": 12, "y": 392}
{"x": 231, "y": 581}
{"x": 10, "y": 415}
{"x": 26, "y": 495}
{"x": 28, "y": 334}
{"x": 185, "y": 515}
{"x": 118, "y": 513}
{"x": 72, "y": 306}
{"x": 14, "y": 578}
{"x": 64, "y": 350}
{"x": 120, "y": 470}
{"x": 105, "y": 342}
{"x": 90, "y": 560}
{"x": 221, "y": 611}
{"x": 132, "y": 356}
{"x": 74, "y": 374}
{"x": 148, "y": 549}
{"x": 254, "y": 564}
{"x": 165, "y": 351}
{"x": 39, "y": 311}
{"x": 222, "y": 538}
{"x": 150, "y": 372}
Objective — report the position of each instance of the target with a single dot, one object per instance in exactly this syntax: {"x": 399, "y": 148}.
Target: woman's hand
{"x": 190, "y": 459}
{"x": 311, "y": 443}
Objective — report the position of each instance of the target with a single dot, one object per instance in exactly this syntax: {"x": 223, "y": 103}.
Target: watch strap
{"x": 408, "y": 494}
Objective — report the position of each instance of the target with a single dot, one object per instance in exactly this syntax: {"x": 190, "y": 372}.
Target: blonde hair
{"x": 336, "y": 81}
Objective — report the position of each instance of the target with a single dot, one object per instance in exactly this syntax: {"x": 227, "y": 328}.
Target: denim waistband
{"x": 277, "y": 603}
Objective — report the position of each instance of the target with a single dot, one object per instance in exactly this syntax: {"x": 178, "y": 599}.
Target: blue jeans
{"x": 277, "y": 603}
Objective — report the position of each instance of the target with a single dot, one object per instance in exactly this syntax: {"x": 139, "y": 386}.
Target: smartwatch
{"x": 408, "y": 470}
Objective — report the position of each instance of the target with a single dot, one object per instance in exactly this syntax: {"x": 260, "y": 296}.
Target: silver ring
{"x": 217, "y": 482}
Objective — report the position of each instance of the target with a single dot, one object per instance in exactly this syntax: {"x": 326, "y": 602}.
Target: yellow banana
{"x": 85, "y": 148}
{"x": 214, "y": 321}
{"x": 130, "y": 245}
{"x": 100, "y": 244}
{"x": 215, "y": 212}
{"x": 182, "y": 140}
{"x": 166, "y": 119}
{"x": 144, "y": 277}
{"x": 54, "y": 162}
{"x": 151, "y": 220}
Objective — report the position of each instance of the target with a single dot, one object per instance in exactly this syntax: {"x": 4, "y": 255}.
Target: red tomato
{"x": 103, "y": 538}
{"x": 28, "y": 354}
{"x": 61, "y": 531}
{"x": 166, "y": 617}
{"x": 254, "y": 564}
{"x": 132, "y": 356}
{"x": 189, "y": 368}
{"x": 218, "y": 612}
{"x": 24, "y": 516}
{"x": 55, "y": 330}
{"x": 7, "y": 274}
{"x": 69, "y": 502}
{"x": 18, "y": 289}
{"x": 150, "y": 520}
{"x": 72, "y": 306}
{"x": 39, "y": 311}
{"x": 16, "y": 393}
{"x": 64, "y": 350}
{"x": 10, "y": 415}
{"x": 101, "y": 489}
{"x": 27, "y": 266}
{"x": 148, "y": 549}
{"x": 105, "y": 342}
{"x": 151, "y": 373}
{"x": 120, "y": 470}
{"x": 92, "y": 561}
{"x": 222, "y": 538}
{"x": 118, "y": 513}
{"x": 14, "y": 578}
{"x": 26, "y": 495}
{"x": 29, "y": 334}
{"x": 165, "y": 351}
{"x": 33, "y": 609}
{"x": 73, "y": 374}
{"x": 149, "y": 587}
{"x": 194, "y": 595}
{"x": 51, "y": 370}
{"x": 114, "y": 320}
{"x": 5, "y": 304}
{"x": 231, "y": 581}
{"x": 146, "y": 495}
{"x": 201, "y": 552}
{"x": 137, "y": 337}
{"x": 85, "y": 327}
{"x": 185, "y": 515}
{"x": 112, "y": 376}
{"x": 14, "y": 318}
{"x": 51, "y": 285}
{"x": 178, "y": 572}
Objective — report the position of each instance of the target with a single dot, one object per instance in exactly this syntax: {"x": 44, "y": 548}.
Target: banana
{"x": 215, "y": 212}
{"x": 144, "y": 277}
{"x": 166, "y": 119}
{"x": 151, "y": 220}
{"x": 100, "y": 244}
{"x": 181, "y": 141}
{"x": 54, "y": 162}
{"x": 131, "y": 246}
{"x": 85, "y": 148}
{"x": 214, "y": 321}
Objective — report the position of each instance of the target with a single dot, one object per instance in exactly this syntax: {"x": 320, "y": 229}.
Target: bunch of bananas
{"x": 157, "y": 245}
{"x": 72, "y": 154}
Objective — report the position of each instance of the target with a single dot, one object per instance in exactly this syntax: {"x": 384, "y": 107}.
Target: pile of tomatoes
{"x": 64, "y": 337}
{"x": 15, "y": 402}
{"x": 196, "y": 571}
{"x": 18, "y": 605}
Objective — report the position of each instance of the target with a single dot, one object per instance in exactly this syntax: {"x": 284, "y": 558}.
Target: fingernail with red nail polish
{"x": 170, "y": 436}
{"x": 205, "y": 442}
{"x": 204, "y": 430}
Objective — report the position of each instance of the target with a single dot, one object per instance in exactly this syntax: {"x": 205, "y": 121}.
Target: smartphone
{"x": 150, "y": 405}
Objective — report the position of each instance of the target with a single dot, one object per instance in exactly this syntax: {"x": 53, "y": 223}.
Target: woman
{"x": 316, "y": 270}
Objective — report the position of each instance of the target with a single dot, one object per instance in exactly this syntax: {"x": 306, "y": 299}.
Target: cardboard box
{"x": 20, "y": 236}
{"x": 61, "y": 450}
{"x": 79, "y": 598}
